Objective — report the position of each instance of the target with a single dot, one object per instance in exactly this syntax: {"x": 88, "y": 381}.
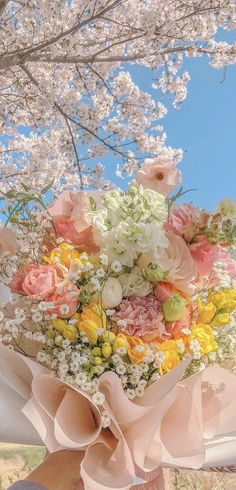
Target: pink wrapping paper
{"x": 189, "y": 423}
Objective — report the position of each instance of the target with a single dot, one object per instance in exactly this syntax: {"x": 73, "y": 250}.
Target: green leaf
{"x": 48, "y": 187}
{"x": 93, "y": 204}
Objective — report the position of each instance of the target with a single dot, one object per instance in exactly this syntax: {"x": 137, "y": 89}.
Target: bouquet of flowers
{"x": 121, "y": 301}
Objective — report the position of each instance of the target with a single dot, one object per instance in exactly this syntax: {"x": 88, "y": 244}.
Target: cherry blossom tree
{"x": 67, "y": 97}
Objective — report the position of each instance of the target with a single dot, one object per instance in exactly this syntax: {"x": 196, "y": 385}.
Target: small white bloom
{"x": 64, "y": 309}
{"x": 130, "y": 393}
{"x": 80, "y": 378}
{"x": 122, "y": 323}
{"x": 116, "y": 358}
{"x": 180, "y": 346}
{"x": 98, "y": 398}
{"x": 110, "y": 312}
{"x": 120, "y": 369}
{"x": 122, "y": 351}
{"x": 139, "y": 348}
{"x": 116, "y": 266}
{"x": 103, "y": 259}
{"x": 37, "y": 317}
{"x": 1, "y": 316}
{"x": 139, "y": 391}
{"x": 100, "y": 272}
{"x": 106, "y": 421}
{"x": 186, "y": 331}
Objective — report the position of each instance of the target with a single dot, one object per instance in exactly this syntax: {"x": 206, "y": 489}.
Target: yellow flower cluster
{"x": 216, "y": 311}
{"x": 64, "y": 254}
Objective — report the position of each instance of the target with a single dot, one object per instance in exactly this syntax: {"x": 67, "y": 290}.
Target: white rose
{"x": 111, "y": 293}
{"x": 134, "y": 284}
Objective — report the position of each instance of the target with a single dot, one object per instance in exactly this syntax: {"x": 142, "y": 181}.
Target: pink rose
{"x": 159, "y": 174}
{"x": 41, "y": 281}
{"x": 8, "y": 241}
{"x": 18, "y": 278}
{"x": 69, "y": 213}
{"x": 65, "y": 300}
{"x": 177, "y": 261}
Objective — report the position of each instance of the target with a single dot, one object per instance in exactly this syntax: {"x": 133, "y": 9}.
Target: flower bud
{"x": 111, "y": 293}
{"x": 96, "y": 352}
{"x": 106, "y": 350}
{"x": 153, "y": 273}
{"x": 51, "y": 333}
{"x": 174, "y": 308}
{"x": 98, "y": 361}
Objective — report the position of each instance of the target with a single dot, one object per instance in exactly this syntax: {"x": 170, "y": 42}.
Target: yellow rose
{"x": 70, "y": 332}
{"x": 136, "y": 349}
{"x": 120, "y": 341}
{"x": 204, "y": 334}
{"x": 206, "y": 312}
{"x": 170, "y": 349}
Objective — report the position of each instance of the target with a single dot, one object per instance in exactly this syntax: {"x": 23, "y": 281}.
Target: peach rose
{"x": 41, "y": 281}
{"x": 65, "y": 301}
{"x": 7, "y": 241}
{"x": 178, "y": 263}
{"x": 159, "y": 174}
{"x": 69, "y": 213}
{"x": 18, "y": 278}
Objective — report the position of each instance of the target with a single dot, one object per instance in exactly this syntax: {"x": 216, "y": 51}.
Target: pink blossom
{"x": 18, "y": 278}
{"x": 69, "y": 213}
{"x": 65, "y": 297}
{"x": 82, "y": 240}
{"x": 228, "y": 263}
{"x": 142, "y": 316}
{"x": 177, "y": 261}
{"x": 159, "y": 174}
{"x": 8, "y": 241}
{"x": 204, "y": 255}
{"x": 182, "y": 220}
{"x": 41, "y": 281}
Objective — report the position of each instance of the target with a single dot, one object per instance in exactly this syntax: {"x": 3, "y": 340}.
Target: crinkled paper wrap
{"x": 188, "y": 424}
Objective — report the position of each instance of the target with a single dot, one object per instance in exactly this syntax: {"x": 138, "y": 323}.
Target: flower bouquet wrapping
{"x": 119, "y": 309}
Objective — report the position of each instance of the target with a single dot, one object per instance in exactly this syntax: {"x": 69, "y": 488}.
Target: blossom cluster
{"x": 120, "y": 281}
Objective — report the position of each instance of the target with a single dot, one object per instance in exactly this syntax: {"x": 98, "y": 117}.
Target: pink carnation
{"x": 41, "y": 281}
{"x": 65, "y": 301}
{"x": 142, "y": 316}
{"x": 159, "y": 174}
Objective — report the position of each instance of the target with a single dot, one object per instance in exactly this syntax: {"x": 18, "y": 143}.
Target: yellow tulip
{"x": 136, "y": 350}
{"x": 170, "y": 349}
{"x": 94, "y": 313}
{"x": 120, "y": 341}
{"x": 206, "y": 312}
{"x": 90, "y": 329}
{"x": 59, "y": 325}
{"x": 71, "y": 333}
{"x": 220, "y": 320}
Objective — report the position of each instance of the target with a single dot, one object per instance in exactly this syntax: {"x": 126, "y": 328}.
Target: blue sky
{"x": 205, "y": 128}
